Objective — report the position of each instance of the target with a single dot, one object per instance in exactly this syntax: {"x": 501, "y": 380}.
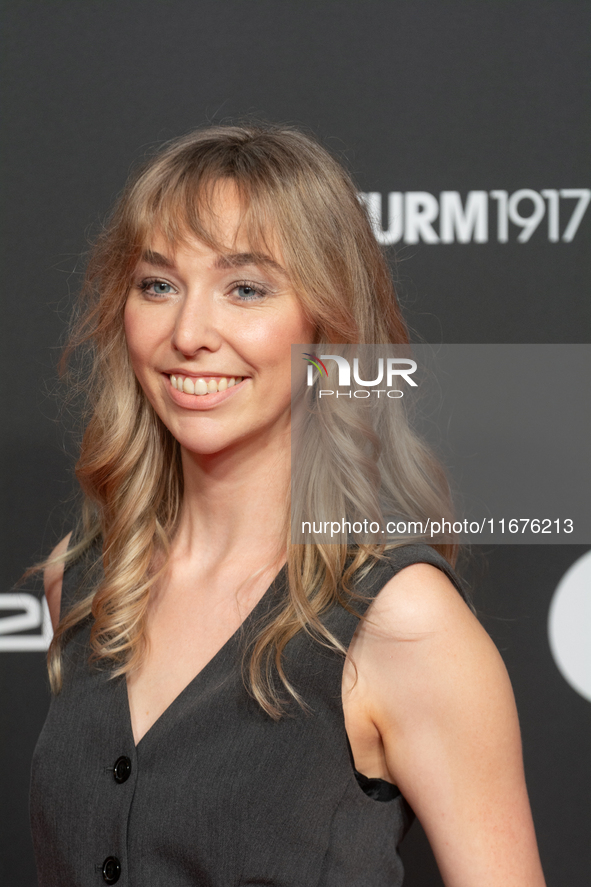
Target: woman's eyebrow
{"x": 153, "y": 258}
{"x": 234, "y": 260}
{"x": 228, "y": 260}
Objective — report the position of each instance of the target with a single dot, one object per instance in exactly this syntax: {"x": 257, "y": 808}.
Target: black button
{"x": 122, "y": 769}
{"x": 111, "y": 870}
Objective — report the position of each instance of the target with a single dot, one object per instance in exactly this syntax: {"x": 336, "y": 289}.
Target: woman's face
{"x": 198, "y": 320}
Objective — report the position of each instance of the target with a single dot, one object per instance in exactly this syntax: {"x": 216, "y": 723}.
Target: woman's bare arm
{"x": 52, "y": 581}
{"x": 440, "y": 698}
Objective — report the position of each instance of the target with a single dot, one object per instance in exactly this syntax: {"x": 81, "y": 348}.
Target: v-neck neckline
{"x": 202, "y": 673}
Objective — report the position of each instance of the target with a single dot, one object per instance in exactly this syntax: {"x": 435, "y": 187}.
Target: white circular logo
{"x": 569, "y": 626}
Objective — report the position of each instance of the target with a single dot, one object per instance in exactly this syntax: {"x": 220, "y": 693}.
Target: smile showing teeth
{"x": 199, "y": 386}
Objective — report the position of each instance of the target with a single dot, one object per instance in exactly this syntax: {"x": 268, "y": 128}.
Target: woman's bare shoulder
{"x": 420, "y": 633}
{"x": 419, "y": 598}
{"x": 437, "y": 691}
{"x": 53, "y": 577}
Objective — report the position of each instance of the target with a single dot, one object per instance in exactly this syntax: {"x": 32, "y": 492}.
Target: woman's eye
{"x": 157, "y": 287}
{"x": 247, "y": 292}
{"x": 162, "y": 288}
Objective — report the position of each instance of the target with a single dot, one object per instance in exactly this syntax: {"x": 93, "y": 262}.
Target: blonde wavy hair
{"x": 129, "y": 468}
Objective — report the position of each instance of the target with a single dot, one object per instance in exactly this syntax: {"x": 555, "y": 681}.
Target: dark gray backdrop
{"x": 415, "y": 97}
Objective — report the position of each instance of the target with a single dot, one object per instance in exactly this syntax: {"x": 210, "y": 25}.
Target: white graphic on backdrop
{"x": 411, "y": 216}
{"x": 569, "y": 626}
{"x": 31, "y": 614}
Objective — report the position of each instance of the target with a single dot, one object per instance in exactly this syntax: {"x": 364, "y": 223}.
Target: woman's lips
{"x": 181, "y": 385}
{"x": 201, "y": 386}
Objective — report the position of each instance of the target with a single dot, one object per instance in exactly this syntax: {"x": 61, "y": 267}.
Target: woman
{"x": 219, "y": 734}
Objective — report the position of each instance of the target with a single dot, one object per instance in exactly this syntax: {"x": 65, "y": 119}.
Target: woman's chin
{"x": 221, "y": 445}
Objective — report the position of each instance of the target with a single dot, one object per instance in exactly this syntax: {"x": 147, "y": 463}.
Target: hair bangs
{"x": 180, "y": 202}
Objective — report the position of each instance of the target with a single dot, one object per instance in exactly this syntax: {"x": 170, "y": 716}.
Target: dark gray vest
{"x": 216, "y": 794}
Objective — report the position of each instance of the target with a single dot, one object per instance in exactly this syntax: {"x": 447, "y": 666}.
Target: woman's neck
{"x": 234, "y": 504}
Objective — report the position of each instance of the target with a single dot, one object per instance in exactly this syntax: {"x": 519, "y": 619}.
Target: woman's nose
{"x": 197, "y": 325}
